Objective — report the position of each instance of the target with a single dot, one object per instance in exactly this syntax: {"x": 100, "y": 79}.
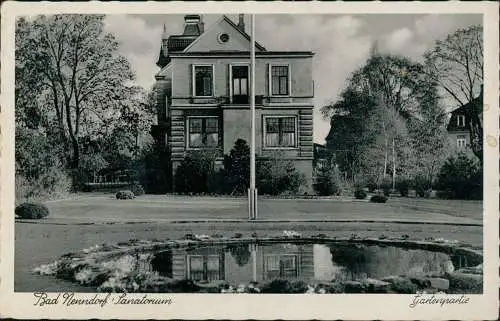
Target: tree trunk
{"x": 386, "y": 156}
{"x": 393, "y": 165}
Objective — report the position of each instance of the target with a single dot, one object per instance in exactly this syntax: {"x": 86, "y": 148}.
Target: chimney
{"x": 241, "y": 22}
{"x": 192, "y": 25}
{"x": 201, "y": 25}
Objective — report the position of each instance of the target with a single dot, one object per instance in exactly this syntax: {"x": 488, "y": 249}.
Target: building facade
{"x": 203, "y": 95}
{"x": 459, "y": 125}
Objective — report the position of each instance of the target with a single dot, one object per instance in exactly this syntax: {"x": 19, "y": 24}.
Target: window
{"x": 461, "y": 141}
{"x": 196, "y": 268}
{"x": 203, "y": 132}
{"x": 203, "y": 81}
{"x": 281, "y": 266}
{"x": 223, "y": 37}
{"x": 460, "y": 120}
{"x": 204, "y": 268}
{"x": 280, "y": 131}
{"x": 279, "y": 80}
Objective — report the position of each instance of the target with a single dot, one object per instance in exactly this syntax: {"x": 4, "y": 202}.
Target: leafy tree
{"x": 350, "y": 133}
{"x": 456, "y": 63}
{"x": 461, "y": 177}
{"x": 370, "y": 121}
{"x": 428, "y": 143}
{"x": 73, "y": 65}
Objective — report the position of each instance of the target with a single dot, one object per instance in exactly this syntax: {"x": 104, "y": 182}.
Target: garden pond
{"x": 273, "y": 266}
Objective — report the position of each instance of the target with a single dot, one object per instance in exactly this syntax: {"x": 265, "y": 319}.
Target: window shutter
{"x": 229, "y": 84}
{"x": 191, "y": 80}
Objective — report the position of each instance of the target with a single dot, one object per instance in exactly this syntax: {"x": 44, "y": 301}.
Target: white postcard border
{"x": 251, "y": 306}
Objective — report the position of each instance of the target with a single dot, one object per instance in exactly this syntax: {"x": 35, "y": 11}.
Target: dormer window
{"x": 460, "y": 120}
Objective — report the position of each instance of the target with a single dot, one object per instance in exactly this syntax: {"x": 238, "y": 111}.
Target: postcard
{"x": 275, "y": 160}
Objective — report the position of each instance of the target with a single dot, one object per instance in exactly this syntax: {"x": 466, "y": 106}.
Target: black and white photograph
{"x": 158, "y": 156}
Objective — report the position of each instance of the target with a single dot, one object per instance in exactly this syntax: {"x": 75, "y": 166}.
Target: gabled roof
{"x": 465, "y": 110}
{"x": 233, "y": 25}
{"x": 257, "y": 45}
{"x": 191, "y": 35}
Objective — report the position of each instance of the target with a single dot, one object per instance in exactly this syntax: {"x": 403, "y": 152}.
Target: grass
{"x": 104, "y": 207}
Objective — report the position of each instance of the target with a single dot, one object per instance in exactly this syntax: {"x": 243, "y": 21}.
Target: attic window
{"x": 223, "y": 38}
{"x": 461, "y": 120}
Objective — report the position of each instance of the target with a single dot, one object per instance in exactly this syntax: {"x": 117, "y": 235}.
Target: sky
{"x": 341, "y": 43}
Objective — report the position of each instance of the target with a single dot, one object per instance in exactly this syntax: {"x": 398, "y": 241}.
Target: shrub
{"x": 217, "y": 183}
{"x": 334, "y": 287}
{"x": 372, "y": 185}
{"x": 183, "y": 286}
{"x": 403, "y": 187}
{"x": 386, "y": 186}
{"x": 276, "y": 176}
{"x": 32, "y": 211}
{"x": 465, "y": 283}
{"x": 421, "y": 185}
{"x": 327, "y": 181}
{"x": 298, "y": 286}
{"x": 277, "y": 286}
{"x": 360, "y": 194}
{"x": 378, "y": 199}
{"x": 461, "y": 178}
{"x": 52, "y": 183}
{"x": 192, "y": 175}
{"x": 401, "y": 285}
{"x": 137, "y": 189}
{"x": 125, "y": 195}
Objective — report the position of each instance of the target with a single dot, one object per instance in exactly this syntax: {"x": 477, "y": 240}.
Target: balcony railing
{"x": 260, "y": 100}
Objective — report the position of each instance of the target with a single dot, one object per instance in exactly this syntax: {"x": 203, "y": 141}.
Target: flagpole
{"x": 252, "y": 193}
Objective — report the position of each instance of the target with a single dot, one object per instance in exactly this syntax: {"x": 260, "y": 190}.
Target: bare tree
{"x": 456, "y": 63}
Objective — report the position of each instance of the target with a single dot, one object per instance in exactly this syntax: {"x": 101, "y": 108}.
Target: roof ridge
{"x": 235, "y": 26}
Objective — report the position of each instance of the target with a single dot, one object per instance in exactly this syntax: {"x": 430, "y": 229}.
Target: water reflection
{"x": 308, "y": 262}
{"x": 361, "y": 261}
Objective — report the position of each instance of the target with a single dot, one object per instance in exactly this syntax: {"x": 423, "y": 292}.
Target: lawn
{"x": 104, "y": 207}
{"x": 95, "y": 219}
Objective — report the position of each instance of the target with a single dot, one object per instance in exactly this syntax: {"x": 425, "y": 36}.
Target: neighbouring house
{"x": 322, "y": 158}
{"x": 458, "y": 125}
{"x": 202, "y": 93}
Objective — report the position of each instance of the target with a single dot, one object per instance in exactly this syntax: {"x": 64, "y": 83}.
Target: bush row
{"x": 198, "y": 173}
{"x": 460, "y": 177}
